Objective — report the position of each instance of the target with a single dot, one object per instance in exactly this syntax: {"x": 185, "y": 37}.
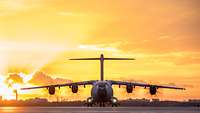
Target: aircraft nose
{"x": 102, "y": 92}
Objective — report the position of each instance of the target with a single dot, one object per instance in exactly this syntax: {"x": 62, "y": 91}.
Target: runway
{"x": 99, "y": 110}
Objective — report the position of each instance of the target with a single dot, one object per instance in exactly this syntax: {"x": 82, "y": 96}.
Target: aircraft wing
{"x": 62, "y": 85}
{"x": 144, "y": 85}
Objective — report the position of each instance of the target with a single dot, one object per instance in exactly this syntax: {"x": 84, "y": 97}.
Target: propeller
{"x": 159, "y": 93}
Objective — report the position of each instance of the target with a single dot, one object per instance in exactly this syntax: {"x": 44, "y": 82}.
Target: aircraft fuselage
{"x": 102, "y": 92}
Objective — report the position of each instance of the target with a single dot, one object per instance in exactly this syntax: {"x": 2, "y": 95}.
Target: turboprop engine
{"x": 129, "y": 88}
{"x": 74, "y": 88}
{"x": 152, "y": 90}
{"x": 52, "y": 90}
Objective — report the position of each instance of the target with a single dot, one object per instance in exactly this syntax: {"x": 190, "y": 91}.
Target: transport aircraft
{"x": 102, "y": 91}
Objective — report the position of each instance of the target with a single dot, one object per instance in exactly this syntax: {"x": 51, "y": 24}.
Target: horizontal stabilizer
{"x": 102, "y": 59}
{"x": 85, "y": 59}
{"x": 119, "y": 59}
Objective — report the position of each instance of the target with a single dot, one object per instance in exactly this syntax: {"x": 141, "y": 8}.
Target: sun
{"x": 8, "y": 88}
{"x": 6, "y": 92}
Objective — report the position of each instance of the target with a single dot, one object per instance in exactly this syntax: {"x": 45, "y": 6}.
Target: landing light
{"x": 89, "y": 100}
{"x": 114, "y": 100}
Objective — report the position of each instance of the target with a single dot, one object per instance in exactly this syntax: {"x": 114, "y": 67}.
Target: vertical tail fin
{"x": 102, "y": 63}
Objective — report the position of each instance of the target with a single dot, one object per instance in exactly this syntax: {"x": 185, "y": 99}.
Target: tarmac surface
{"x": 99, "y": 110}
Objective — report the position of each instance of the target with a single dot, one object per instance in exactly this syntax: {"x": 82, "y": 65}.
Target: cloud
{"x": 19, "y": 4}
{"x": 40, "y": 78}
{"x": 33, "y": 46}
{"x": 179, "y": 58}
{"x": 16, "y": 78}
{"x": 70, "y": 14}
{"x": 168, "y": 26}
{"x": 98, "y": 48}
{"x": 188, "y": 60}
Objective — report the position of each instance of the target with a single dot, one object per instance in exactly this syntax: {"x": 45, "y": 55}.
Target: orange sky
{"x": 162, "y": 35}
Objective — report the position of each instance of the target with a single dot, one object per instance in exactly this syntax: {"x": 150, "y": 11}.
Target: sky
{"x": 162, "y": 35}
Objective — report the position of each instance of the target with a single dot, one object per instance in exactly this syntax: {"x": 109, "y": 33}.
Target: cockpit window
{"x": 102, "y": 85}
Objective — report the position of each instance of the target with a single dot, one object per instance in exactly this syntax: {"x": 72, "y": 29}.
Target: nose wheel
{"x": 89, "y": 101}
{"x": 114, "y": 102}
{"x": 114, "y": 105}
{"x": 101, "y": 104}
{"x": 89, "y": 105}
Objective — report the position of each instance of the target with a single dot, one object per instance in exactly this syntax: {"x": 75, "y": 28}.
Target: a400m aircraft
{"x": 102, "y": 91}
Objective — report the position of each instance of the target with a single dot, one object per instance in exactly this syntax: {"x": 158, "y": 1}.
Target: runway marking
{"x": 114, "y": 110}
{"x": 100, "y": 112}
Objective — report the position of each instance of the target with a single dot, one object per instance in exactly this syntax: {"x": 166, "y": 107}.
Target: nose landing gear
{"x": 114, "y": 102}
{"x": 102, "y": 104}
{"x": 89, "y": 101}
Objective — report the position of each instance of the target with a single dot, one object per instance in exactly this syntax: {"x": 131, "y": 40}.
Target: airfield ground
{"x": 99, "y": 110}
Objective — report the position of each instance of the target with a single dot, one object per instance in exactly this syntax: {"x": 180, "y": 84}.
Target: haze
{"x": 162, "y": 35}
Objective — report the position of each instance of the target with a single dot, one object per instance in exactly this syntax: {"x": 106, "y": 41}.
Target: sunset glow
{"x": 37, "y": 37}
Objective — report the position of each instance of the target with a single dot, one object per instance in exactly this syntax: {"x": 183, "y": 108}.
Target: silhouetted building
{"x": 38, "y": 100}
{"x": 1, "y": 98}
{"x": 155, "y": 100}
{"x": 194, "y": 100}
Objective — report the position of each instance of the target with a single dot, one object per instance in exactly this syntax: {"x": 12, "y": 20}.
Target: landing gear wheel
{"x": 89, "y": 105}
{"x": 103, "y": 104}
{"x": 89, "y": 101}
{"x": 114, "y": 105}
{"x": 100, "y": 104}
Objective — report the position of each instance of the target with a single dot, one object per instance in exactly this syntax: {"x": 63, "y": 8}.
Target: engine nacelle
{"x": 52, "y": 90}
{"x": 152, "y": 90}
{"x": 74, "y": 88}
{"x": 129, "y": 88}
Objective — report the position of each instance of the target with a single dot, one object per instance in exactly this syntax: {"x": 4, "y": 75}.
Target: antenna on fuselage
{"x": 102, "y": 62}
